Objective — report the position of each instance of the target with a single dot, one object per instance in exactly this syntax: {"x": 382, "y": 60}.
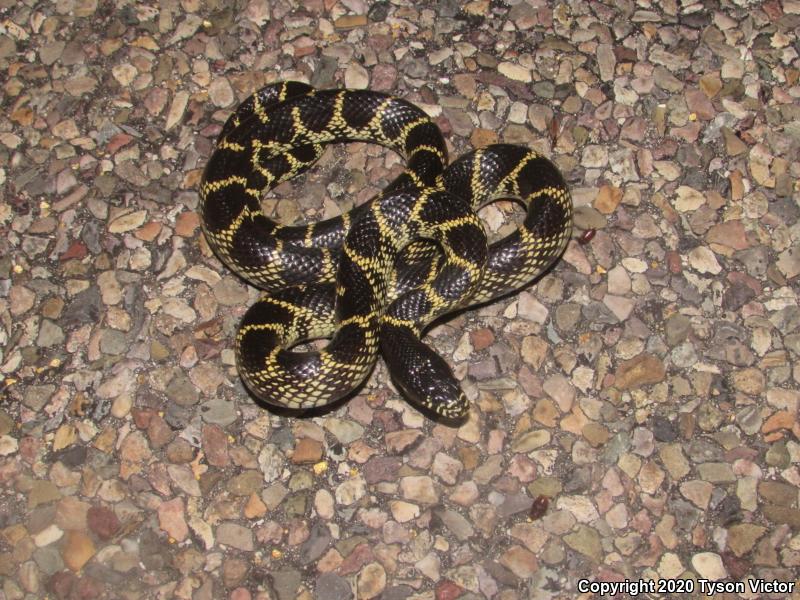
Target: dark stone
{"x": 615, "y": 447}
{"x": 332, "y": 587}
{"x": 296, "y": 504}
{"x": 677, "y": 328}
{"x": 61, "y": 583}
{"x": 664, "y": 430}
{"x": 317, "y": 543}
{"x": 398, "y": 592}
{"x": 472, "y": 21}
{"x": 72, "y": 457}
{"x": 101, "y": 408}
{"x": 455, "y": 522}
{"x": 33, "y": 181}
{"x": 700, "y": 450}
{"x": 84, "y": 308}
{"x": 41, "y": 517}
{"x": 755, "y": 260}
{"x": 413, "y": 67}
{"x": 337, "y": 452}
{"x": 695, "y": 178}
{"x": 182, "y": 391}
{"x": 91, "y": 237}
{"x": 563, "y": 91}
{"x": 96, "y": 572}
{"x": 133, "y": 300}
{"x": 544, "y": 89}
{"x": 736, "y": 353}
{"x": 736, "y": 296}
{"x": 139, "y": 484}
{"x": 686, "y": 290}
{"x": 48, "y": 559}
{"x": 786, "y": 209}
{"x": 686, "y": 515}
{"x": 284, "y": 439}
{"x": 378, "y": 11}
{"x": 591, "y": 348}
{"x": 514, "y": 504}
{"x": 726, "y": 330}
{"x": 579, "y": 480}
{"x": 598, "y": 314}
{"x": 323, "y": 74}
{"x": 728, "y": 511}
{"x": 103, "y": 522}
{"x": 500, "y": 573}
{"x": 88, "y": 588}
{"x": 177, "y": 417}
{"x": 285, "y": 583}
{"x": 128, "y": 15}
{"x": 448, "y": 8}
{"x": 721, "y": 184}
{"x": 787, "y": 320}
{"x": 209, "y": 480}
{"x": 737, "y": 567}
{"x": 153, "y": 551}
{"x": 487, "y": 61}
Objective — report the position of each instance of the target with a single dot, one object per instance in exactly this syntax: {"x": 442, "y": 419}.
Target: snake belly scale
{"x": 374, "y": 278}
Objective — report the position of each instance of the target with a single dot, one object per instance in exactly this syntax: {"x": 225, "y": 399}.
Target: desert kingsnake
{"x": 375, "y": 277}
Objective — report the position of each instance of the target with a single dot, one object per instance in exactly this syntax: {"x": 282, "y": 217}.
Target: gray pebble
{"x": 36, "y": 396}
{"x": 219, "y": 412}
{"x": 285, "y": 583}
{"x": 85, "y": 307}
{"x": 181, "y": 391}
{"x": 330, "y": 586}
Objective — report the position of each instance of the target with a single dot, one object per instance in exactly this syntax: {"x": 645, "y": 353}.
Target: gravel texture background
{"x": 648, "y": 387}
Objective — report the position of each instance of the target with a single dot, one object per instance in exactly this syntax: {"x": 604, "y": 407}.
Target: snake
{"x": 371, "y": 280}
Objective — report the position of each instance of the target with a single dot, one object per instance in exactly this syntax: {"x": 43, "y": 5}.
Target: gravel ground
{"x": 634, "y": 415}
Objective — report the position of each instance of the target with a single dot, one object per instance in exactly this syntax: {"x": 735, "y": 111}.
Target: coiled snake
{"x": 374, "y": 278}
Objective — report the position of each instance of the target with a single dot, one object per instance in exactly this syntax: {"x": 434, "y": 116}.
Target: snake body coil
{"x": 374, "y": 278}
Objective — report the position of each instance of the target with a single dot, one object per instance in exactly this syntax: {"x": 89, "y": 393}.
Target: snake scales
{"x": 374, "y": 278}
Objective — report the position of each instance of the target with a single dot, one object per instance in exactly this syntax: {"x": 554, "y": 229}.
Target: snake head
{"x": 455, "y": 409}
{"x": 445, "y": 398}
{"x": 423, "y": 376}
{"x": 442, "y": 396}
